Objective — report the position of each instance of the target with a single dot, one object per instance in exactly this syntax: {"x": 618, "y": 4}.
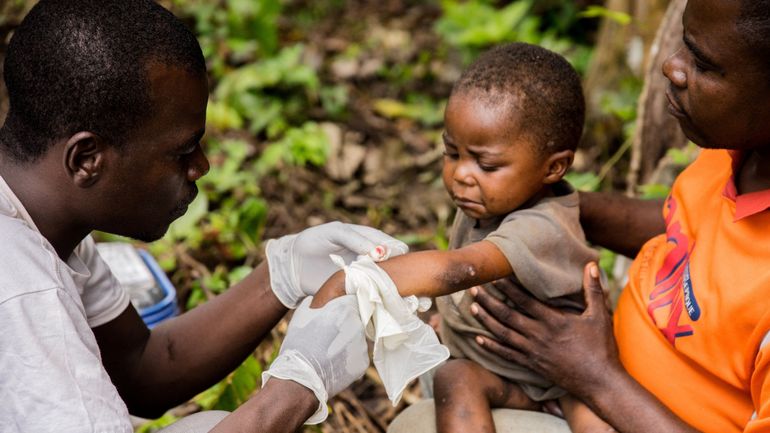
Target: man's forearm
{"x": 282, "y": 406}
{"x": 192, "y": 352}
{"x": 620, "y": 223}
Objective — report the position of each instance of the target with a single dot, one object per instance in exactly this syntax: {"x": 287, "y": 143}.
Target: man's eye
{"x": 701, "y": 66}
{"x": 188, "y": 152}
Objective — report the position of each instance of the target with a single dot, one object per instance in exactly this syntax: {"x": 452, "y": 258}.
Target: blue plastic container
{"x": 166, "y": 308}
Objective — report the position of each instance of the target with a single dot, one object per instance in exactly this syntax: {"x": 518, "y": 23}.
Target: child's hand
{"x": 334, "y": 287}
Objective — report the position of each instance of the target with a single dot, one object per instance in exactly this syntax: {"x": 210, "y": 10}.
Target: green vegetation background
{"x": 332, "y": 110}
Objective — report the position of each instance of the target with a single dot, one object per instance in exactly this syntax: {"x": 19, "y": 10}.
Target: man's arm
{"x": 281, "y": 406}
{"x": 433, "y": 273}
{"x": 620, "y": 223}
{"x": 575, "y": 351}
{"x": 156, "y": 370}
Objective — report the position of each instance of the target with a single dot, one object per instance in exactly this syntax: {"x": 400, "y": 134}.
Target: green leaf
{"x": 607, "y": 260}
{"x": 166, "y": 420}
{"x": 654, "y": 191}
{"x": 299, "y": 146}
{"x": 586, "y": 181}
{"x": 594, "y": 11}
{"x": 223, "y": 117}
{"x": 235, "y": 389}
{"x": 186, "y": 227}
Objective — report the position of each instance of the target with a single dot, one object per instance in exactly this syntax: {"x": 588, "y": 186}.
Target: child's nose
{"x": 463, "y": 174}
{"x": 674, "y": 70}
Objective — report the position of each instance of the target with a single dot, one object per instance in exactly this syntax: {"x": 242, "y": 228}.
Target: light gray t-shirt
{"x": 52, "y": 376}
{"x": 547, "y": 250}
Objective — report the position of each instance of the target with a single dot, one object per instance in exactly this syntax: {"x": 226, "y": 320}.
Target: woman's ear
{"x": 84, "y": 158}
{"x": 557, "y": 165}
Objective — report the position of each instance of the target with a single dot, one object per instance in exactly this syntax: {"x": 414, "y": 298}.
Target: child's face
{"x": 719, "y": 90}
{"x": 490, "y": 168}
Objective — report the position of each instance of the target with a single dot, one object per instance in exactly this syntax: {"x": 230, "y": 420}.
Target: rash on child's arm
{"x": 459, "y": 276}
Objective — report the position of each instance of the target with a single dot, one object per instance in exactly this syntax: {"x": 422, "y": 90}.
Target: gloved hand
{"x": 299, "y": 264}
{"x": 324, "y": 350}
{"x": 404, "y": 346}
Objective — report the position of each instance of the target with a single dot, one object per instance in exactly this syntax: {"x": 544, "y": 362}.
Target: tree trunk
{"x": 622, "y": 52}
{"x": 11, "y": 13}
{"x": 656, "y": 130}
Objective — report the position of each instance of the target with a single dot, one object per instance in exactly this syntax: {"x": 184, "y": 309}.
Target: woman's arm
{"x": 620, "y": 223}
{"x": 575, "y": 351}
{"x": 433, "y": 273}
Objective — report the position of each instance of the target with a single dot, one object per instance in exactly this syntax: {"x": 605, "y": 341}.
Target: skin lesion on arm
{"x": 432, "y": 273}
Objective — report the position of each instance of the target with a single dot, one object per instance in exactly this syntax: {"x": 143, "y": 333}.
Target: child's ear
{"x": 557, "y": 165}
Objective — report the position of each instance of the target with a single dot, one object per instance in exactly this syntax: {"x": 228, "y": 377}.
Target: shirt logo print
{"x": 674, "y": 274}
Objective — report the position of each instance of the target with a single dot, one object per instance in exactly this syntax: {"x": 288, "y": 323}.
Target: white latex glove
{"x": 404, "y": 346}
{"x": 299, "y": 263}
{"x": 324, "y": 350}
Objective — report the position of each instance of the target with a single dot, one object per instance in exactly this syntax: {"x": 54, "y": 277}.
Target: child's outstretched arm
{"x": 432, "y": 273}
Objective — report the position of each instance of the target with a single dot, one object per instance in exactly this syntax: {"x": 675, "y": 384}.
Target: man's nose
{"x": 199, "y": 165}
{"x": 674, "y": 69}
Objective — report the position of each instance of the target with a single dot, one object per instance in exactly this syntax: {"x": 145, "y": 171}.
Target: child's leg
{"x": 581, "y": 418}
{"x": 465, "y": 394}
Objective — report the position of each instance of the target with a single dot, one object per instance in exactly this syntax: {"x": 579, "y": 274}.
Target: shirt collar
{"x": 11, "y": 206}
{"x": 748, "y": 204}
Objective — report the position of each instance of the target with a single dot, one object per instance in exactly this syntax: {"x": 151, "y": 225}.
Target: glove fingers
{"x": 352, "y": 240}
{"x": 377, "y": 237}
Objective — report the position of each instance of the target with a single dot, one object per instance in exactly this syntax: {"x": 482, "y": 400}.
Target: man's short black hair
{"x": 81, "y": 65}
{"x": 754, "y": 26}
{"x": 540, "y": 85}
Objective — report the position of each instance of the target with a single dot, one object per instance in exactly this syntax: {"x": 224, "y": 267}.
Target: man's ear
{"x": 557, "y": 165}
{"x": 84, "y": 158}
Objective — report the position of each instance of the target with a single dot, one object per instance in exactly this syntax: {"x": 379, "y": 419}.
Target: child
{"x": 512, "y": 124}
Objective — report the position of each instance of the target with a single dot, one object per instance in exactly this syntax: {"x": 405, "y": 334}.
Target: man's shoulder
{"x": 26, "y": 263}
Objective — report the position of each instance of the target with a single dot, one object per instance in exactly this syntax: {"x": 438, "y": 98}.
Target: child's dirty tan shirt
{"x": 547, "y": 250}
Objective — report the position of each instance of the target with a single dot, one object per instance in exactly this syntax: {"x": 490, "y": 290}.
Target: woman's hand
{"x": 574, "y": 351}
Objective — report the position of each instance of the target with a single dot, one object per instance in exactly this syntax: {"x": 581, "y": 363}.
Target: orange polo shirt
{"x": 693, "y": 323}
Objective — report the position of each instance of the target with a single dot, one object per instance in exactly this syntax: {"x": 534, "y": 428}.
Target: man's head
{"x": 108, "y": 100}
{"x": 512, "y": 124}
{"x": 81, "y": 65}
{"x": 720, "y": 79}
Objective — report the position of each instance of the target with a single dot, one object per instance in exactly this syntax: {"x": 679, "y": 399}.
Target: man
{"x": 691, "y": 328}
{"x": 107, "y": 108}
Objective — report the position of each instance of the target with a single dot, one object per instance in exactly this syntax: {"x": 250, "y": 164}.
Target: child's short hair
{"x": 539, "y": 84}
